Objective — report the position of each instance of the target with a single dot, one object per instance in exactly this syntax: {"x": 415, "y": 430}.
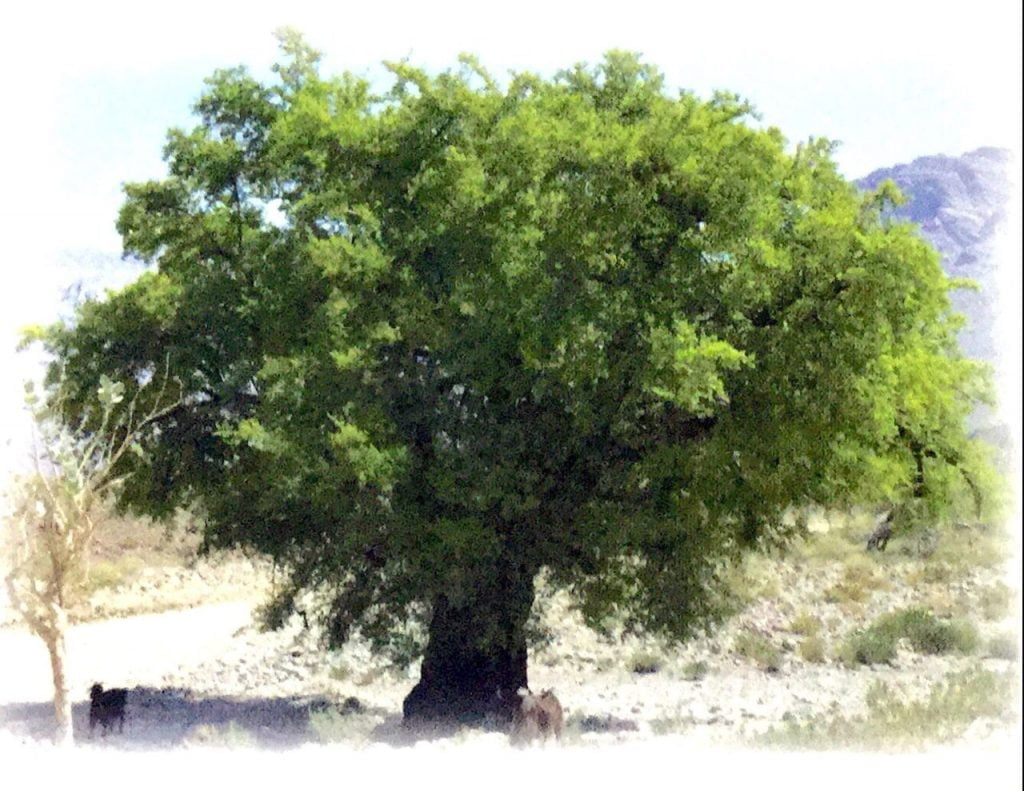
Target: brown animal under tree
{"x": 538, "y": 717}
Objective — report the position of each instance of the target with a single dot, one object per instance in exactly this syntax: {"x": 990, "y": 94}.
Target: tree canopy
{"x": 436, "y": 339}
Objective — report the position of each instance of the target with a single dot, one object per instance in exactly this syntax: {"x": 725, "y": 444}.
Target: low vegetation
{"x": 806, "y": 624}
{"x": 775, "y": 634}
{"x": 759, "y": 649}
{"x": 752, "y": 578}
{"x": 926, "y": 634}
{"x": 1003, "y": 646}
{"x": 995, "y": 601}
{"x": 228, "y": 735}
{"x": 860, "y": 579}
{"x": 112, "y": 573}
{"x": 645, "y": 662}
{"x": 695, "y": 671}
{"x": 334, "y": 726}
{"x": 891, "y": 723}
{"x": 812, "y": 649}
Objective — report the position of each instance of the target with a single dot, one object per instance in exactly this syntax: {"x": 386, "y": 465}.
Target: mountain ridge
{"x": 961, "y": 206}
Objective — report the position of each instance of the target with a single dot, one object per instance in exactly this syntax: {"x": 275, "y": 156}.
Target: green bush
{"x": 871, "y": 646}
{"x": 925, "y": 633}
{"x": 928, "y": 635}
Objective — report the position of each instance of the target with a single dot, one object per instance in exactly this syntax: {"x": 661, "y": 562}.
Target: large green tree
{"x": 437, "y": 340}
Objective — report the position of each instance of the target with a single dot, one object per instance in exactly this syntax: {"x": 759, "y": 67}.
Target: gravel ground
{"x": 204, "y": 677}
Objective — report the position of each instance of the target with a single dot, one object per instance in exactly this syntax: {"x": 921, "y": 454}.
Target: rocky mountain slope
{"x": 961, "y": 205}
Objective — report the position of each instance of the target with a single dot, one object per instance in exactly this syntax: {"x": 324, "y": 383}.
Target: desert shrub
{"x": 607, "y": 723}
{"x": 758, "y": 649}
{"x": 926, "y": 542}
{"x": 827, "y": 547}
{"x": 812, "y": 649}
{"x": 936, "y": 572}
{"x": 869, "y": 646}
{"x": 859, "y": 579}
{"x": 972, "y": 547}
{"x": 806, "y": 624}
{"x": 113, "y": 573}
{"x": 603, "y": 663}
{"x": 1003, "y": 646}
{"x": 845, "y": 592}
{"x": 952, "y": 705}
{"x": 994, "y": 601}
{"x": 665, "y": 726}
{"x": 752, "y": 578}
{"x": 695, "y": 671}
{"x": 644, "y": 662}
{"x": 929, "y": 635}
{"x": 925, "y": 633}
{"x": 340, "y": 672}
{"x": 943, "y": 604}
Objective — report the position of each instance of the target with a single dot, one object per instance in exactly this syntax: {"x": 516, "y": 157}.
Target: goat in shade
{"x": 106, "y": 707}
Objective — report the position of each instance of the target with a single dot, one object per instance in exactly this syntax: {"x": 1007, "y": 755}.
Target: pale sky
{"x": 93, "y": 87}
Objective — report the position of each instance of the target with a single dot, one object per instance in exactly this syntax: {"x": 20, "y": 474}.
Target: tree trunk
{"x": 475, "y": 659}
{"x": 55, "y": 645}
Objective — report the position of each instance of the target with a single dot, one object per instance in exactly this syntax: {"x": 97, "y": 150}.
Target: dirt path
{"x": 140, "y": 650}
{"x": 204, "y": 677}
{"x": 209, "y": 647}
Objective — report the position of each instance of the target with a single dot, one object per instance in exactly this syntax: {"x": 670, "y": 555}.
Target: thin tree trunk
{"x": 55, "y": 645}
{"x": 475, "y": 660}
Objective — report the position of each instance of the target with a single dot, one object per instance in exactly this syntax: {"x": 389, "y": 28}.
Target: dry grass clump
{"x": 151, "y": 543}
{"x": 858, "y": 581}
{"x": 951, "y": 706}
{"x": 757, "y": 648}
{"x": 695, "y": 671}
{"x": 645, "y": 662}
{"x": 812, "y": 649}
{"x": 755, "y": 576}
{"x": 113, "y": 573}
{"x": 806, "y": 624}
{"x": 995, "y": 601}
{"x": 1003, "y": 646}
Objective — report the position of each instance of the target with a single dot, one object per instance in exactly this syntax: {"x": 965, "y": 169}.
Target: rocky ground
{"x": 202, "y": 675}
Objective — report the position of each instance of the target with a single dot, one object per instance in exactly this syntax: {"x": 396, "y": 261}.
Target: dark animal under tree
{"x": 106, "y": 707}
{"x": 881, "y": 534}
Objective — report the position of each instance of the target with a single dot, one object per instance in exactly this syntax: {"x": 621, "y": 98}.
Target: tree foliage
{"x": 573, "y": 323}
